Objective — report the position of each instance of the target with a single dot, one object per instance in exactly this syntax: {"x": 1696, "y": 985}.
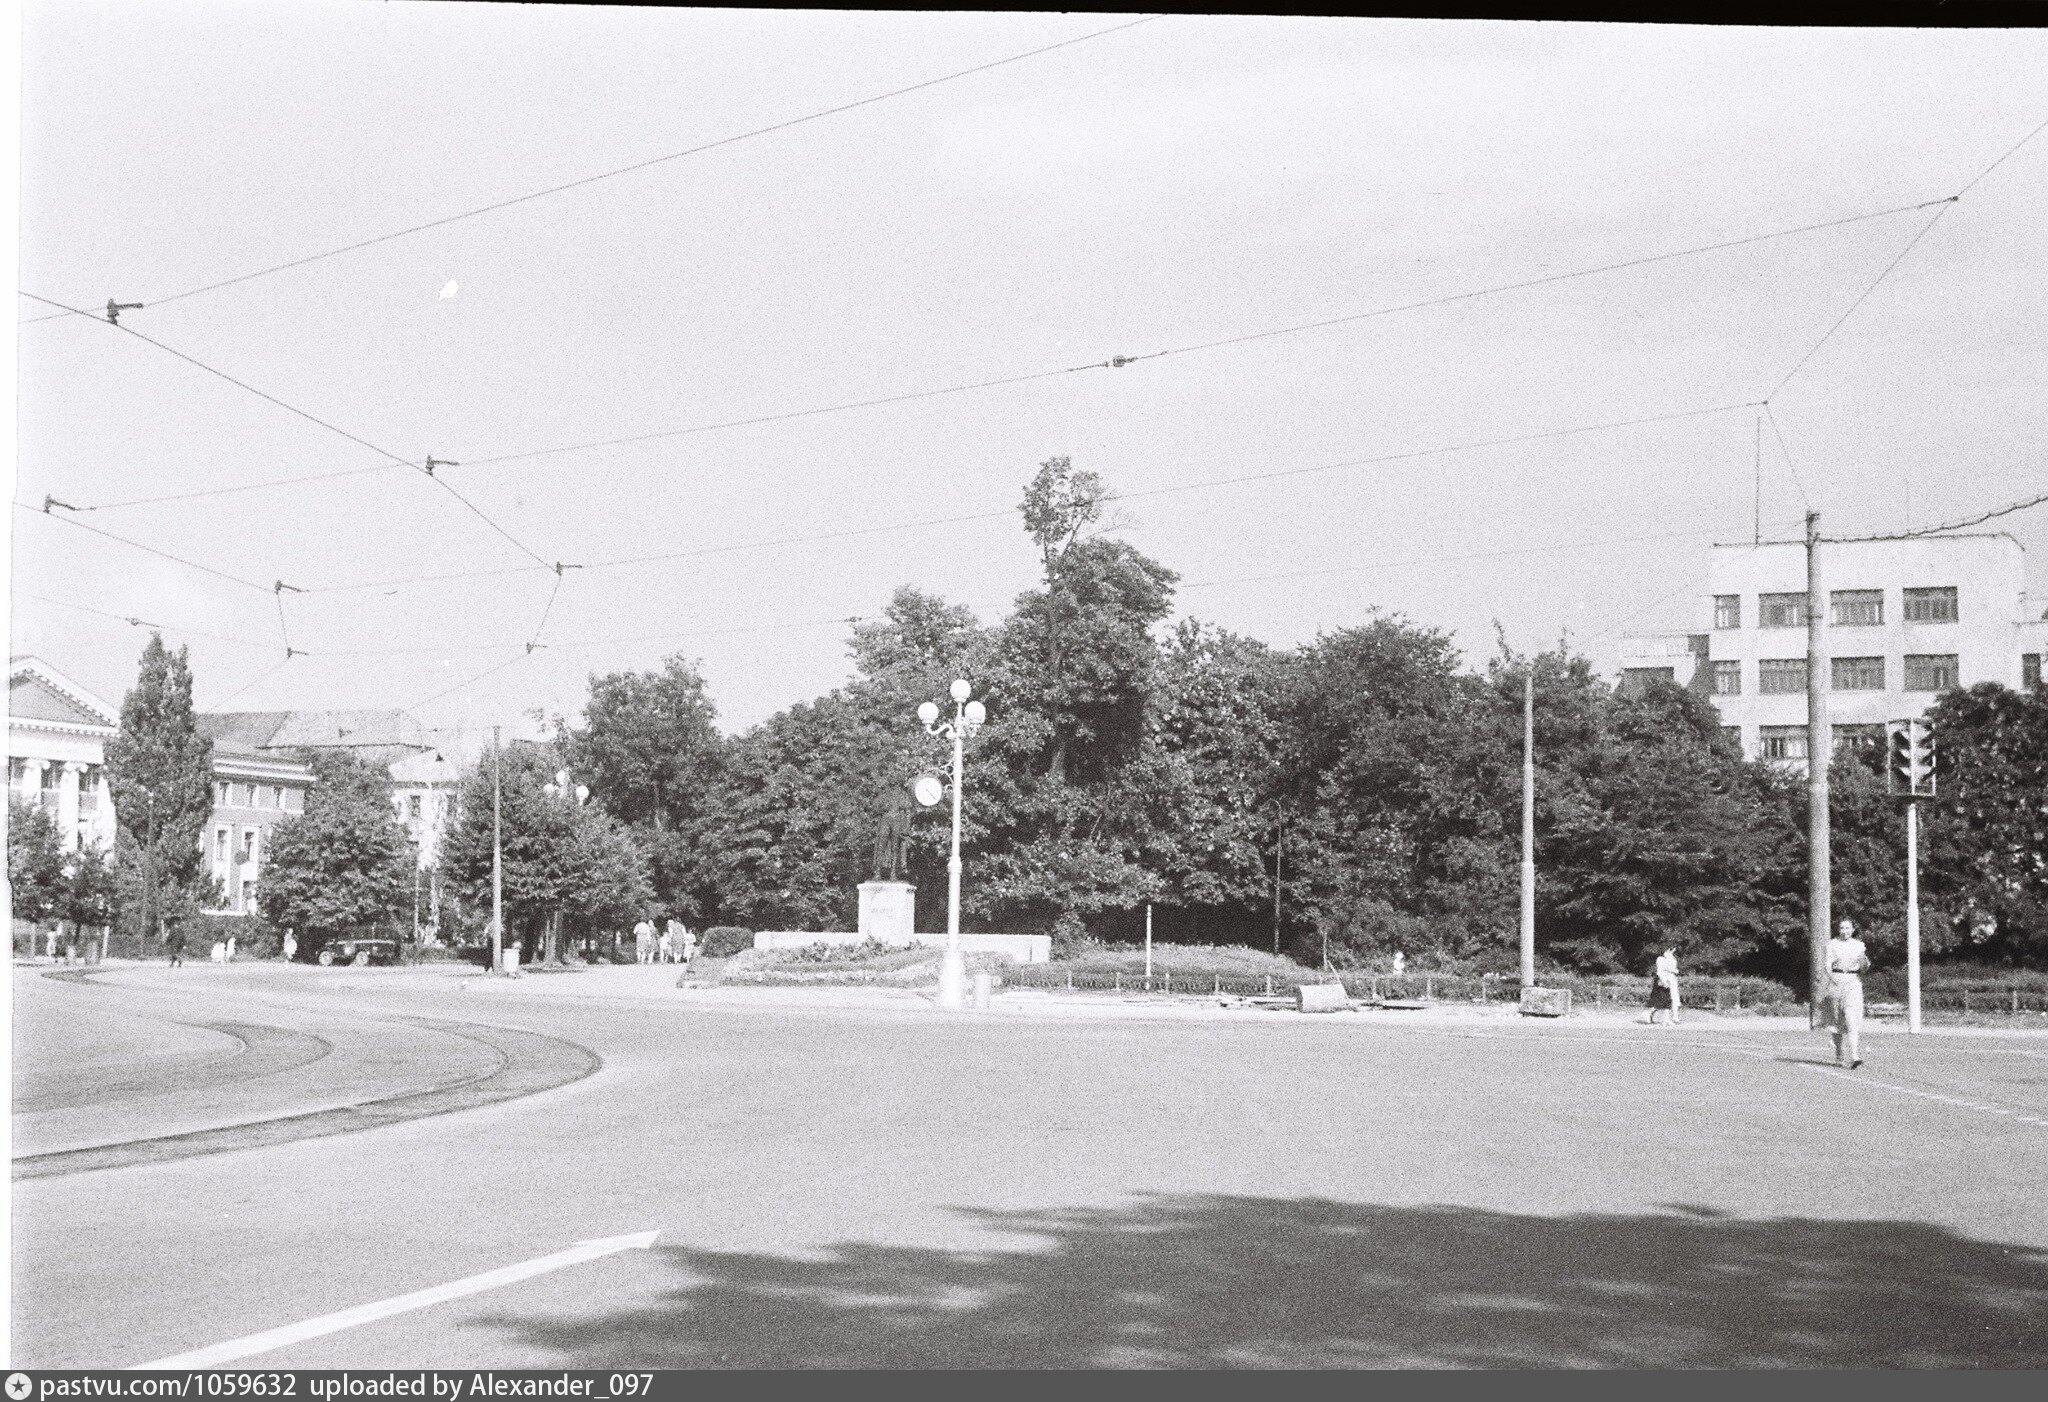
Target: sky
{"x": 1166, "y": 186}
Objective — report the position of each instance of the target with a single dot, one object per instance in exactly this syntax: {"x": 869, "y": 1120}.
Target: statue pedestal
{"x": 888, "y": 912}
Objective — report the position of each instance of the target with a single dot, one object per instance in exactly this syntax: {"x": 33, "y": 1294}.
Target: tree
{"x": 346, "y": 861}
{"x": 35, "y": 862}
{"x": 562, "y": 860}
{"x": 1059, "y": 504}
{"x": 1986, "y": 852}
{"x": 650, "y": 744}
{"x": 160, "y": 776}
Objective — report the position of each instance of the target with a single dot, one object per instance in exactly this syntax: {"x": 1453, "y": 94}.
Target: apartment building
{"x": 1906, "y": 620}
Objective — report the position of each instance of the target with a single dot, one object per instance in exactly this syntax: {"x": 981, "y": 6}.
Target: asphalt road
{"x": 882, "y": 1184}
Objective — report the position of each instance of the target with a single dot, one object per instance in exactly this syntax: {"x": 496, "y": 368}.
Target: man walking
{"x": 1847, "y": 959}
{"x": 175, "y": 942}
{"x": 643, "y": 941}
{"x": 689, "y": 947}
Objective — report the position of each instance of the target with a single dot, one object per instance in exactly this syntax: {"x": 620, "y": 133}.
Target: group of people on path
{"x": 1842, "y": 1012}
{"x": 673, "y": 943}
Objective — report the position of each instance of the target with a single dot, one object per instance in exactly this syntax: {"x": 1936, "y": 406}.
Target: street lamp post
{"x": 967, "y": 718}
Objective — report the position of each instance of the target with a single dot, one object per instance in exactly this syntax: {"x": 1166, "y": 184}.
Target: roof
{"x": 39, "y": 693}
{"x": 379, "y": 736}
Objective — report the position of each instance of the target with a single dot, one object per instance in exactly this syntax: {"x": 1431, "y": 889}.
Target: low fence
{"x": 1722, "y": 994}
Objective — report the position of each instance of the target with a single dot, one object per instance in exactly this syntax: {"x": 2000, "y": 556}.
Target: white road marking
{"x": 216, "y": 1355}
{"x": 1954, "y": 1100}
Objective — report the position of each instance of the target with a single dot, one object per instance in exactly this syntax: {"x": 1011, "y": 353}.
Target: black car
{"x": 360, "y": 951}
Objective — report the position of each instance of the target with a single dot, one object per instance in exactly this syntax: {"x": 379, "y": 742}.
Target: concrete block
{"x": 1546, "y": 1002}
{"x": 1321, "y": 998}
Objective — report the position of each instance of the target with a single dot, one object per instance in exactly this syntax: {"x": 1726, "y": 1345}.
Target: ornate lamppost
{"x": 967, "y": 718}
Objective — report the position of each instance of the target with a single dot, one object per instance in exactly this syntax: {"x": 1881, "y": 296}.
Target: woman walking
{"x": 1664, "y": 987}
{"x": 1847, "y": 959}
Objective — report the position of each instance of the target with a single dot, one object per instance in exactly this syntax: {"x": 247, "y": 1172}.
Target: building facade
{"x": 252, "y": 793}
{"x": 1906, "y": 620}
{"x": 57, "y": 734}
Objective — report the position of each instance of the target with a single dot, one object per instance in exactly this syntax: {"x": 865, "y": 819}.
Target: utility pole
{"x": 1279, "y": 854}
{"x": 497, "y": 864}
{"x": 1819, "y": 895}
{"x": 1148, "y": 946}
{"x": 1529, "y": 827}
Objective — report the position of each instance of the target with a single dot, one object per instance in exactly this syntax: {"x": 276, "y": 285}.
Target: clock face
{"x": 928, "y": 789}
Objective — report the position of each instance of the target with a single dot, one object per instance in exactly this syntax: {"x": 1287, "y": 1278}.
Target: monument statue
{"x": 892, "y": 836}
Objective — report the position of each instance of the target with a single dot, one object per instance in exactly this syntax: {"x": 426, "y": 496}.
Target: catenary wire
{"x": 2007, "y": 510}
{"x": 135, "y": 622}
{"x": 266, "y": 673}
{"x": 148, "y": 549}
{"x": 1875, "y": 283}
{"x": 1114, "y": 362}
{"x": 473, "y": 508}
{"x": 1786, "y": 452}
{"x": 639, "y": 165}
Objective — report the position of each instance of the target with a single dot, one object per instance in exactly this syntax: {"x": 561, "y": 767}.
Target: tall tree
{"x": 346, "y": 861}
{"x": 1987, "y": 854}
{"x": 160, "y": 775}
{"x": 650, "y": 745}
{"x": 1059, "y": 504}
{"x": 561, "y": 858}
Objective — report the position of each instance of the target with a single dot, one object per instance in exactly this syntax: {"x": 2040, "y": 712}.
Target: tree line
{"x": 1361, "y": 789}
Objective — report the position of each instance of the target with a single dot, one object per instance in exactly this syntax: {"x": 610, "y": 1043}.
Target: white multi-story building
{"x": 1906, "y": 620}
{"x": 57, "y": 735}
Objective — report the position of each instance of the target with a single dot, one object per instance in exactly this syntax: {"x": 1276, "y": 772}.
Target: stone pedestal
{"x": 888, "y": 912}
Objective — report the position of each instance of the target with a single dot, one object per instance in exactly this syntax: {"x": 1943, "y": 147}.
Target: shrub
{"x": 1070, "y": 936}
{"x": 1182, "y": 960}
{"x": 724, "y": 941}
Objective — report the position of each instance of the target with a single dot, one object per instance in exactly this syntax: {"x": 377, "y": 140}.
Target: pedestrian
{"x": 1400, "y": 963}
{"x": 643, "y": 941}
{"x": 689, "y": 946}
{"x": 665, "y": 948}
{"x": 291, "y": 946}
{"x": 175, "y": 942}
{"x": 1664, "y": 987}
{"x": 1847, "y": 959}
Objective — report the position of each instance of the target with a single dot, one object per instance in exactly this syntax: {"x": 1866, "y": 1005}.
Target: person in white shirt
{"x": 643, "y": 942}
{"x": 689, "y": 946}
{"x": 1847, "y": 959}
{"x": 1664, "y": 986}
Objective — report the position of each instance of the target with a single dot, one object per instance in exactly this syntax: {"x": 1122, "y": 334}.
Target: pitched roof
{"x": 36, "y": 691}
{"x": 324, "y": 730}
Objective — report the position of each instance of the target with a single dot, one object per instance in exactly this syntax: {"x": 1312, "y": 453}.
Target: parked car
{"x": 358, "y": 950}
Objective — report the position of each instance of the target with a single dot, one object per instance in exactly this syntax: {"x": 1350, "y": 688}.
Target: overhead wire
{"x": 135, "y": 622}
{"x": 642, "y": 165}
{"x": 73, "y": 521}
{"x": 1113, "y": 362}
{"x": 1977, "y": 520}
{"x": 266, "y": 673}
{"x": 473, "y": 508}
{"x": 1779, "y": 434}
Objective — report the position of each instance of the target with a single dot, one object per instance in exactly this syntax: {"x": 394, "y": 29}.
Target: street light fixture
{"x": 968, "y": 717}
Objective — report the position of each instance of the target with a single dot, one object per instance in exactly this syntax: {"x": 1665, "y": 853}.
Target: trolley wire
{"x": 636, "y": 166}
{"x": 427, "y": 470}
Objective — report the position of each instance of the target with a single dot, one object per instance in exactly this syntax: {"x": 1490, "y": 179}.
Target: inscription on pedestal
{"x": 888, "y": 911}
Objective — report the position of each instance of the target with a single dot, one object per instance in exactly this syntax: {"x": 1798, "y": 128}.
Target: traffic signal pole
{"x": 1819, "y": 894}
{"x": 1912, "y": 915}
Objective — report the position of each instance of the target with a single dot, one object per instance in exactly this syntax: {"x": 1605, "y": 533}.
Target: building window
{"x": 1781, "y": 742}
{"x": 1727, "y": 679}
{"x": 220, "y": 795}
{"x": 1856, "y": 608}
{"x": 89, "y": 790}
{"x": 1931, "y": 605}
{"x": 2030, "y": 669}
{"x": 1931, "y": 671}
{"x": 1779, "y": 676}
{"x": 1781, "y": 610}
{"x": 220, "y": 846}
{"x": 1857, "y": 674}
{"x": 413, "y": 805}
{"x": 1859, "y": 737}
{"x": 1727, "y": 610}
{"x": 248, "y": 844}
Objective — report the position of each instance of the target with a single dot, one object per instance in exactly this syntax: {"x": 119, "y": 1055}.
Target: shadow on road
{"x": 1221, "y": 1282}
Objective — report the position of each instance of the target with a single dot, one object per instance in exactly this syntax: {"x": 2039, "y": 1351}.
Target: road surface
{"x": 863, "y": 1180}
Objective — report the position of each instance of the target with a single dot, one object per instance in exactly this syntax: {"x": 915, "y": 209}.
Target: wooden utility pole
{"x": 1818, "y": 892}
{"x": 1529, "y": 827}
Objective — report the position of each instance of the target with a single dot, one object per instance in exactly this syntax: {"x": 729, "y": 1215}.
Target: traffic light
{"x": 1909, "y": 759}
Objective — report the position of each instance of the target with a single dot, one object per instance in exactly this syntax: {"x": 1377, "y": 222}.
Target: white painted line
{"x": 1956, "y": 1101}
{"x": 218, "y": 1354}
